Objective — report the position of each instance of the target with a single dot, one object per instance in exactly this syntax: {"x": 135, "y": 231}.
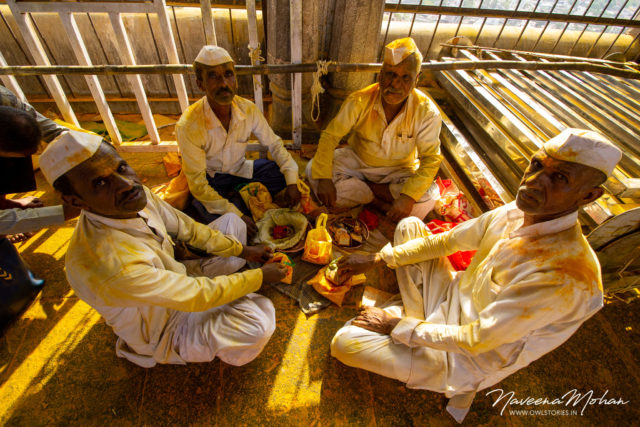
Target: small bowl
{"x": 349, "y": 221}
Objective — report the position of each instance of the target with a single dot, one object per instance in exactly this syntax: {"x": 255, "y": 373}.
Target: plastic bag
{"x": 459, "y": 260}
{"x": 286, "y": 217}
{"x": 318, "y": 246}
{"x": 258, "y": 199}
{"x": 307, "y": 205}
{"x": 452, "y": 205}
{"x": 283, "y": 259}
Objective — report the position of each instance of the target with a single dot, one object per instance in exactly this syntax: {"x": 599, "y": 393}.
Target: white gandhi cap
{"x": 65, "y": 152}
{"x": 585, "y": 147}
{"x": 213, "y": 55}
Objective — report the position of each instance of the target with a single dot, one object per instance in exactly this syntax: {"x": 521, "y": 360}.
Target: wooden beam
{"x": 252, "y": 23}
{"x": 172, "y": 51}
{"x": 245, "y": 70}
{"x": 295, "y": 11}
{"x": 37, "y": 52}
{"x": 103, "y": 7}
{"x": 126, "y": 56}
{"x": 10, "y": 81}
{"x": 82, "y": 55}
{"x": 207, "y": 20}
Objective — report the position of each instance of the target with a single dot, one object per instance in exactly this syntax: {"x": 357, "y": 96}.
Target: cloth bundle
{"x": 282, "y": 217}
{"x": 258, "y": 199}
{"x": 326, "y": 283}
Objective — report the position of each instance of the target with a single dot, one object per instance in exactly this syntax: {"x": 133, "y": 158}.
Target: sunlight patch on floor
{"x": 38, "y": 367}
{"x": 292, "y": 387}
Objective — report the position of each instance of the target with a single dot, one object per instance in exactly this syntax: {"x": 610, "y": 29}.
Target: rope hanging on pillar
{"x": 254, "y": 54}
{"x": 317, "y": 89}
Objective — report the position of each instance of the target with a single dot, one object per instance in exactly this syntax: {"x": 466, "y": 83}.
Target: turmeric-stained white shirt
{"x": 527, "y": 290}
{"x": 126, "y": 270}
{"x": 410, "y": 140}
{"x": 207, "y": 148}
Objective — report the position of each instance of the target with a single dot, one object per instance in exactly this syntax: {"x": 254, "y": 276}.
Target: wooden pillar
{"x": 80, "y": 51}
{"x": 40, "y": 57}
{"x": 126, "y": 56}
{"x": 207, "y": 20}
{"x": 10, "y": 81}
{"x": 172, "y": 51}
{"x": 354, "y": 38}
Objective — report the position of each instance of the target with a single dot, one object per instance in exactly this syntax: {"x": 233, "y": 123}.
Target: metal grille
{"x": 593, "y": 28}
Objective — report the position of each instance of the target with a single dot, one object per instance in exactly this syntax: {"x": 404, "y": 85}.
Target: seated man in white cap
{"x": 394, "y": 151}
{"x": 213, "y": 134}
{"x": 531, "y": 284}
{"x": 121, "y": 261}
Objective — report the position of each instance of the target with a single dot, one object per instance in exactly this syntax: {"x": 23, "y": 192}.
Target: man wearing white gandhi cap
{"x": 532, "y": 282}
{"x": 213, "y": 134}
{"x": 394, "y": 147}
{"x": 121, "y": 261}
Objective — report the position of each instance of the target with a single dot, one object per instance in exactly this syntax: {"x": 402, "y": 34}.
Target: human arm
{"x": 14, "y": 221}
{"x": 538, "y": 300}
{"x": 191, "y": 140}
{"x": 428, "y": 147}
{"x": 183, "y": 228}
{"x": 338, "y": 128}
{"x": 466, "y": 236}
{"x": 142, "y": 283}
{"x": 48, "y": 128}
{"x": 274, "y": 144}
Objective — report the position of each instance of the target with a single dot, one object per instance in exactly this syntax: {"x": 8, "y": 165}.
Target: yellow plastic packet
{"x": 307, "y": 205}
{"x": 283, "y": 259}
{"x": 318, "y": 246}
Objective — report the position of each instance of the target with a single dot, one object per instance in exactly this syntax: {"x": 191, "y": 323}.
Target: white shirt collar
{"x": 236, "y": 112}
{"x": 542, "y": 228}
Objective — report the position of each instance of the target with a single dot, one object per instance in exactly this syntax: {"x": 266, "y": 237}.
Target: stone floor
{"x": 58, "y": 367}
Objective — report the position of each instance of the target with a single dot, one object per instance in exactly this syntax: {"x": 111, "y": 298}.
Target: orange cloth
{"x": 331, "y": 291}
{"x": 175, "y": 192}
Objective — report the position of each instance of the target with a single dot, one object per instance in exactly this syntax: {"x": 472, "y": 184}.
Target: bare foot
{"x": 23, "y": 203}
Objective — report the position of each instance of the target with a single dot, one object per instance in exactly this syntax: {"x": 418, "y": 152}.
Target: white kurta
{"x": 527, "y": 290}
{"x": 126, "y": 270}
{"x": 207, "y": 148}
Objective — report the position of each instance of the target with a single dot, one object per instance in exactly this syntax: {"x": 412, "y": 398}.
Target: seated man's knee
{"x": 260, "y": 319}
{"x": 409, "y": 228}
{"x": 346, "y": 344}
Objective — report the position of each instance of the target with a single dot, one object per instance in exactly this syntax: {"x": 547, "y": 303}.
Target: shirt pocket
{"x": 402, "y": 146}
{"x": 234, "y": 153}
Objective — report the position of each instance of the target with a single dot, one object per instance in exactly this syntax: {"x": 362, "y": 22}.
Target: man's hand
{"x": 327, "y": 192}
{"x": 401, "y": 208}
{"x": 375, "y": 319}
{"x": 292, "y": 195}
{"x": 273, "y": 273}
{"x": 251, "y": 226}
{"x": 70, "y": 212}
{"x": 358, "y": 263}
{"x": 259, "y": 253}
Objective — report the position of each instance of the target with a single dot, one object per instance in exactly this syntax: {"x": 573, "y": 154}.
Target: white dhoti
{"x": 350, "y": 174}
{"x": 235, "y": 332}
{"x": 426, "y": 292}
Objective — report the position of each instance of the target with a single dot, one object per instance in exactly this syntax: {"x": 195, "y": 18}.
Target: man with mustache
{"x": 531, "y": 284}
{"x": 213, "y": 134}
{"x": 121, "y": 261}
{"x": 394, "y": 151}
